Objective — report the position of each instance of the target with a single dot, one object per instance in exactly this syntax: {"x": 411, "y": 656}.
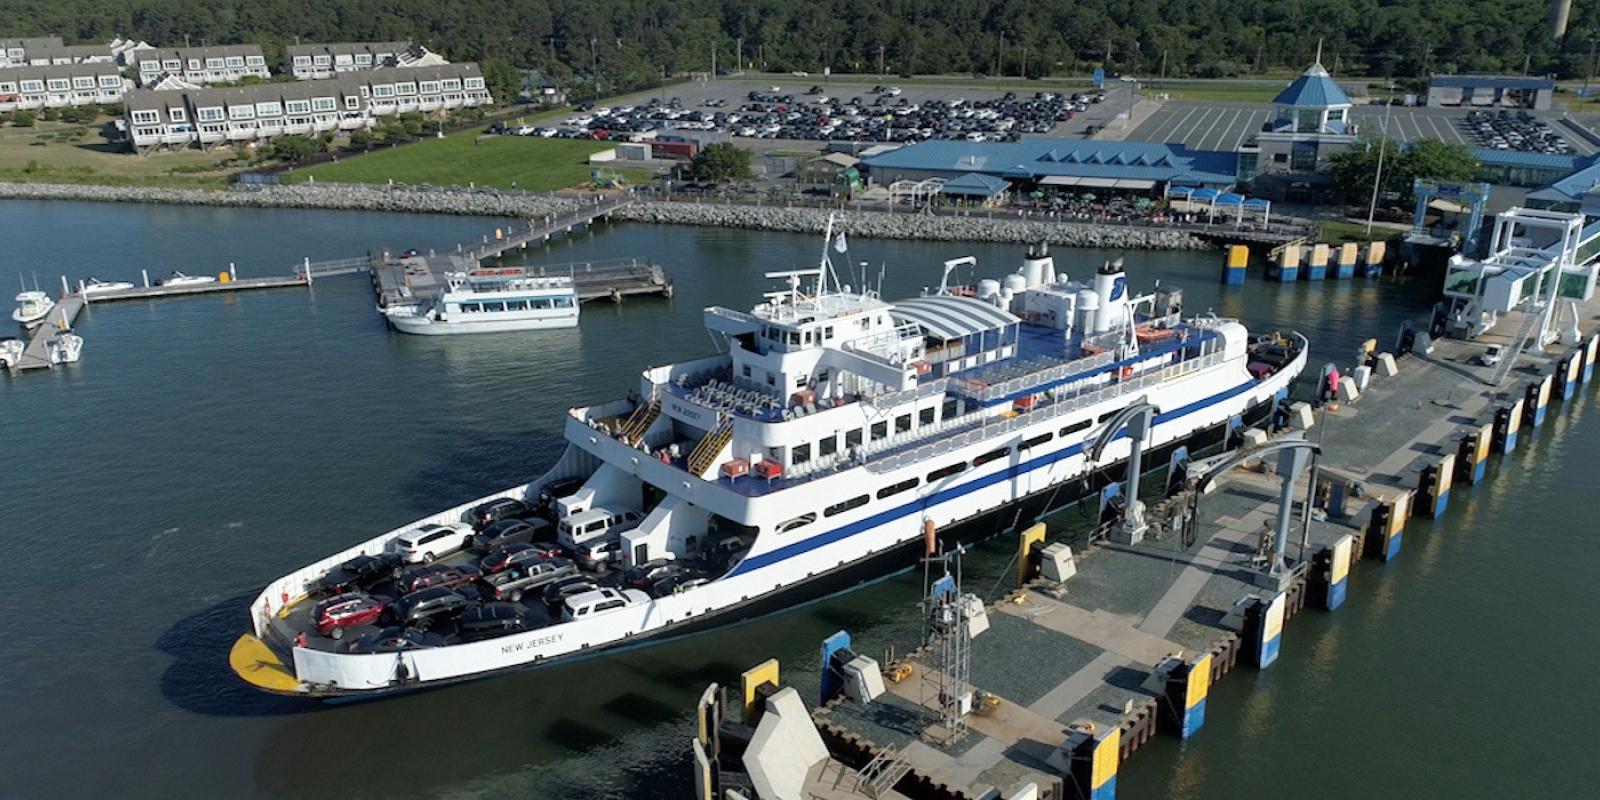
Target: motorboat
{"x": 65, "y": 348}
{"x": 179, "y": 279}
{"x": 95, "y": 286}
{"x": 11, "y": 352}
{"x": 491, "y": 300}
{"x": 32, "y": 308}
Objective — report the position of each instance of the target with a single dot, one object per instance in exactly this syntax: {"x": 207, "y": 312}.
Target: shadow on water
{"x": 199, "y": 679}
{"x": 463, "y": 461}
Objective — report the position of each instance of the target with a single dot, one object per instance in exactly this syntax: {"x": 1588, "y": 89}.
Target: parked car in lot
{"x": 556, "y": 594}
{"x": 360, "y": 572}
{"x": 509, "y": 531}
{"x": 491, "y": 620}
{"x": 393, "y": 640}
{"x": 421, "y": 609}
{"x": 513, "y": 583}
{"x": 333, "y": 615}
{"x": 599, "y": 601}
{"x": 488, "y": 513}
{"x": 447, "y": 576}
{"x": 430, "y": 541}
{"x": 597, "y": 554}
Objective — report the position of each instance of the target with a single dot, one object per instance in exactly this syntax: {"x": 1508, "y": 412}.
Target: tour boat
{"x": 830, "y": 435}
{"x": 490, "y": 300}
{"x": 32, "y": 308}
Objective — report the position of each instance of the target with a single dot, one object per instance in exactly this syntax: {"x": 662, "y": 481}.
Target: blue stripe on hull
{"x": 786, "y": 552}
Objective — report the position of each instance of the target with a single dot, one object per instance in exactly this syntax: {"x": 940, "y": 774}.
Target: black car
{"x": 393, "y": 640}
{"x": 508, "y": 531}
{"x": 360, "y": 572}
{"x": 679, "y": 582}
{"x": 485, "y": 514}
{"x": 557, "y": 489}
{"x": 446, "y": 576}
{"x": 556, "y": 594}
{"x": 647, "y": 574}
{"x": 490, "y": 620}
{"x": 429, "y": 605}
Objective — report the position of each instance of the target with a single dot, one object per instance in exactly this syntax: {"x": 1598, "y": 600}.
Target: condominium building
{"x": 59, "y": 86}
{"x": 43, "y": 51}
{"x": 313, "y": 61}
{"x": 209, "y": 117}
{"x": 202, "y": 65}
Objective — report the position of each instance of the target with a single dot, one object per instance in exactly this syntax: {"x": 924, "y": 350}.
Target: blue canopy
{"x": 1204, "y": 195}
{"x": 1256, "y": 202}
{"x": 1179, "y": 191}
{"x": 1230, "y": 199}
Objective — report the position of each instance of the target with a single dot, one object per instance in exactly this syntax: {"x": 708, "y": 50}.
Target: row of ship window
{"x": 934, "y": 476}
{"x": 535, "y": 304}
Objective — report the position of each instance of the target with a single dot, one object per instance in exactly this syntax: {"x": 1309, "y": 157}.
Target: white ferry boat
{"x": 491, "y": 300}
{"x": 809, "y": 457}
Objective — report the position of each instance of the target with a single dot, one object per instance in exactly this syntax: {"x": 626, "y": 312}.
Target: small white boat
{"x": 179, "y": 279}
{"x": 96, "y": 286}
{"x": 10, "y": 352}
{"x": 32, "y": 308}
{"x": 65, "y": 348}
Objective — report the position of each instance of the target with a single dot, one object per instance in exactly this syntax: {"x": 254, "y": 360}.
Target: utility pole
{"x": 1001, "y": 46}
{"x": 713, "y": 59}
{"x": 738, "y": 55}
{"x": 1589, "y": 76}
{"x": 1383, "y": 147}
{"x": 594, "y": 64}
{"x": 1527, "y": 60}
{"x": 881, "y": 73}
{"x": 1163, "y": 65}
{"x": 1108, "y": 56}
{"x": 1023, "y": 74}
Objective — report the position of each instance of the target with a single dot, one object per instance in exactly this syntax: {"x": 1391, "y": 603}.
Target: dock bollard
{"x": 1233, "y": 269}
{"x": 750, "y": 682}
{"x": 1090, "y": 759}
{"x": 1387, "y": 526}
{"x": 1507, "y": 420}
{"x": 1566, "y": 374}
{"x": 1472, "y": 456}
{"x": 1330, "y": 571}
{"x": 1317, "y": 267}
{"x": 1535, "y": 400}
{"x": 1372, "y": 265}
{"x": 1182, "y": 686}
{"x": 1433, "y": 485}
{"x": 1263, "y": 629}
{"x": 1345, "y": 268}
{"x": 1289, "y": 264}
{"x": 1591, "y": 349}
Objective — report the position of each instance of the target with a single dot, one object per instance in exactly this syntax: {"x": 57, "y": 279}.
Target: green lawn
{"x": 58, "y": 152}
{"x": 469, "y": 157}
{"x": 1334, "y": 232}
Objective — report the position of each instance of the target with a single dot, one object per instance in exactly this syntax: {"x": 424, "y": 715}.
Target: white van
{"x": 599, "y": 601}
{"x": 596, "y": 523}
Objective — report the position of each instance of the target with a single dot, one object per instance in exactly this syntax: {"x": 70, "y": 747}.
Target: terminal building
{"x": 1052, "y": 164}
{"x": 1289, "y": 157}
{"x": 314, "y": 61}
{"x": 1490, "y": 91}
{"x": 32, "y": 88}
{"x": 201, "y": 65}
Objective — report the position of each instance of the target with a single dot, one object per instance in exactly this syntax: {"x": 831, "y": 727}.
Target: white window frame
{"x": 150, "y": 66}
{"x": 383, "y": 90}
{"x": 451, "y": 84}
{"x": 363, "y": 59}
{"x": 242, "y": 112}
{"x": 146, "y": 117}
{"x": 216, "y": 63}
{"x": 172, "y": 64}
{"x": 302, "y": 61}
{"x": 272, "y": 109}
{"x": 196, "y": 65}
{"x": 111, "y": 81}
{"x": 8, "y": 87}
{"x": 297, "y": 107}
{"x": 352, "y": 103}
{"x": 32, "y": 86}
{"x": 428, "y": 87}
{"x": 322, "y": 61}
{"x": 175, "y": 114}
{"x": 323, "y": 105}
{"x": 210, "y": 114}
{"x": 255, "y": 61}
{"x": 473, "y": 83}
{"x": 234, "y": 62}
{"x": 405, "y": 88}
{"x": 59, "y": 84}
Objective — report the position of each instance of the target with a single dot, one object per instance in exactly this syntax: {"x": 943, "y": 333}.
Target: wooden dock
{"x": 36, "y": 355}
{"x": 423, "y": 276}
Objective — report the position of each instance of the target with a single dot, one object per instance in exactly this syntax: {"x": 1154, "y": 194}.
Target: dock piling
{"x": 1263, "y": 628}
{"x": 1433, "y": 485}
{"x": 1507, "y": 420}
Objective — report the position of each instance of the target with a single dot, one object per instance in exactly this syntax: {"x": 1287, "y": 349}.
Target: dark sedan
{"x": 361, "y": 571}
{"x": 443, "y": 576}
{"x": 488, "y": 513}
{"x": 490, "y": 620}
{"x": 648, "y": 573}
{"x": 556, "y": 594}
{"x": 508, "y": 531}
{"x": 429, "y": 605}
{"x": 393, "y": 640}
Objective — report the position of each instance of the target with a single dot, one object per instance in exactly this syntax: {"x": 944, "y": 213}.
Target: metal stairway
{"x": 711, "y": 446}
{"x": 633, "y": 429}
{"x": 884, "y": 771}
{"x": 1508, "y": 359}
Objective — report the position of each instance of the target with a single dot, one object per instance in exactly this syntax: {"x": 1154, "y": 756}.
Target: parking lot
{"x": 806, "y": 111}
{"x": 1224, "y": 126}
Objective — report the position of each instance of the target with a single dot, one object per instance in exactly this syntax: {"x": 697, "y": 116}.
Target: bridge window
{"x": 840, "y": 508}
{"x": 896, "y": 488}
{"x": 880, "y": 430}
{"x": 945, "y": 472}
{"x": 852, "y": 438}
{"x": 927, "y": 415}
{"x": 827, "y": 447}
{"x": 800, "y": 454}
{"x": 1035, "y": 441}
{"x": 902, "y": 423}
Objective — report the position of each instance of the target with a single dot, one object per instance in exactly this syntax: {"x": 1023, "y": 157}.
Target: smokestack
{"x": 1559, "y": 11}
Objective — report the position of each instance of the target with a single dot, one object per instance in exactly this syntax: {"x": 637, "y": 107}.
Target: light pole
{"x": 1383, "y": 146}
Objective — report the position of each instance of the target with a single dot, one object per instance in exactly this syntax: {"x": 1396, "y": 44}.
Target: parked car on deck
{"x": 361, "y": 571}
{"x": 430, "y": 541}
{"x": 513, "y": 583}
{"x": 509, "y": 531}
{"x": 333, "y": 615}
{"x": 488, "y": 513}
{"x": 421, "y": 609}
{"x": 393, "y": 640}
{"x": 681, "y": 582}
{"x": 448, "y": 576}
{"x": 597, "y": 602}
{"x": 556, "y": 594}
{"x": 490, "y": 620}
{"x": 597, "y": 554}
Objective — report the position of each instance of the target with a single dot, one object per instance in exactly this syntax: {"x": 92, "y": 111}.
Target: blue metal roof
{"x": 1313, "y": 89}
{"x": 1039, "y": 158}
{"x": 1490, "y": 82}
{"x": 975, "y": 183}
{"x": 1573, "y": 187}
{"x": 1517, "y": 158}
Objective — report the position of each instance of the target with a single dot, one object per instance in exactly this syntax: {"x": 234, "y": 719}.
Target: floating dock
{"x": 1094, "y": 647}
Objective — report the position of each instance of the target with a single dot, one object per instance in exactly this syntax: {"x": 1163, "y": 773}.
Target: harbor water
{"x": 207, "y": 445}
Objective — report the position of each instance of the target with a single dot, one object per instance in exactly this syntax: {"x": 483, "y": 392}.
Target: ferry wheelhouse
{"x": 491, "y": 300}
{"x": 811, "y": 453}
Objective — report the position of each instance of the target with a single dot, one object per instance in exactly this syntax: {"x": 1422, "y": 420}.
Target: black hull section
{"x": 874, "y": 568}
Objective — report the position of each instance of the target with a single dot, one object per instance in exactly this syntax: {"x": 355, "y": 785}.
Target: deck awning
{"x": 1059, "y": 180}
{"x": 1098, "y": 183}
{"x": 951, "y": 317}
{"x": 1134, "y": 183}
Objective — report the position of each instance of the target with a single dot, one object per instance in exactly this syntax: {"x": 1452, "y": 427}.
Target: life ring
{"x": 1127, "y": 372}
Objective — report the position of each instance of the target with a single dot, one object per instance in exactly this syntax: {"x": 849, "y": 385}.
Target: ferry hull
{"x": 876, "y": 567}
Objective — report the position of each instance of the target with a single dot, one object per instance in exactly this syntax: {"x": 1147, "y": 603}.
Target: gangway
{"x": 1519, "y": 277}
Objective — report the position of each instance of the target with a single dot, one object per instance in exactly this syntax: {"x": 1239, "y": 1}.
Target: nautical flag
{"x": 838, "y": 243}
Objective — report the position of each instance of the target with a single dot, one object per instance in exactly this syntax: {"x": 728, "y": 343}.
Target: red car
{"x": 336, "y": 613}
{"x": 439, "y": 576}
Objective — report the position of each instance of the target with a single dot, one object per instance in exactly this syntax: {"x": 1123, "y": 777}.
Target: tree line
{"x": 628, "y": 43}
